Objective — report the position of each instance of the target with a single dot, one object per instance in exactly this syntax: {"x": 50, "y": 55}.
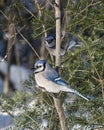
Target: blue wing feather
{"x": 60, "y": 81}
{"x": 52, "y": 75}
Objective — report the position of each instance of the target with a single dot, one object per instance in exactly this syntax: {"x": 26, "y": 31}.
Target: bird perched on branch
{"x": 69, "y": 42}
{"x": 47, "y": 78}
{"x": 50, "y": 44}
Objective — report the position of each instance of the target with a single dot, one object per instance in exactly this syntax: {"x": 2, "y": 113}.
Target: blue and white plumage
{"x": 73, "y": 43}
{"x": 50, "y": 41}
{"x": 50, "y": 44}
{"x": 69, "y": 42}
{"x": 47, "y": 78}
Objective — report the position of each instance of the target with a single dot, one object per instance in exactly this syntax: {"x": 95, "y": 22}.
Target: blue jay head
{"x": 40, "y": 66}
{"x": 50, "y": 41}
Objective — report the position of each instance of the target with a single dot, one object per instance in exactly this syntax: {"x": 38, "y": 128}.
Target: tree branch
{"x": 58, "y": 32}
{"x": 57, "y": 101}
{"x": 11, "y": 41}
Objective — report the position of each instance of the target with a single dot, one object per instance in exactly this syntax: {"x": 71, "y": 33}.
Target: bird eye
{"x": 51, "y": 40}
{"x": 39, "y": 66}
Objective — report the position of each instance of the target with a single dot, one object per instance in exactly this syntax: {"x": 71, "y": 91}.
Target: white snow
{"x": 5, "y": 121}
{"x": 18, "y": 74}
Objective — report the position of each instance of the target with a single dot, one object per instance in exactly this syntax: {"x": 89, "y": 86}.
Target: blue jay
{"x": 47, "y": 78}
{"x": 69, "y": 42}
{"x": 50, "y": 44}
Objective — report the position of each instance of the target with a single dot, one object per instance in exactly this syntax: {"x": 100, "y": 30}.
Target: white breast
{"x": 47, "y": 84}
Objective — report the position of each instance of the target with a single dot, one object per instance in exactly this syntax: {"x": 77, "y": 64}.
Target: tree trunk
{"x": 11, "y": 40}
{"x": 57, "y": 101}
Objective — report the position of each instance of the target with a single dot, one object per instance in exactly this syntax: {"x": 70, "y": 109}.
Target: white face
{"x": 39, "y": 67}
{"x": 52, "y": 44}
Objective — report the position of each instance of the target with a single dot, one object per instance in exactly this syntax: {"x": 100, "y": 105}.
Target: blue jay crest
{"x": 50, "y": 41}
